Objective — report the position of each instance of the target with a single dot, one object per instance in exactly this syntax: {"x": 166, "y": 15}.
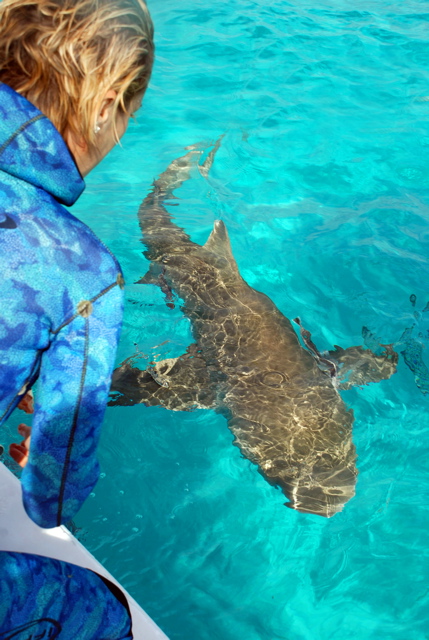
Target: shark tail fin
{"x": 205, "y": 167}
{"x": 160, "y": 232}
{"x": 179, "y": 170}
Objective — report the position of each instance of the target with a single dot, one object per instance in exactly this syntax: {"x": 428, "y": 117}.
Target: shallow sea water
{"x": 323, "y": 182}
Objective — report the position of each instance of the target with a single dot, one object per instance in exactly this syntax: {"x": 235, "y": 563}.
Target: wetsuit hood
{"x": 32, "y": 149}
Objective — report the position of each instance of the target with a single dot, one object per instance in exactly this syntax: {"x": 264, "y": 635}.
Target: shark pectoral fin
{"x": 359, "y": 366}
{"x": 178, "y": 384}
{"x": 131, "y": 385}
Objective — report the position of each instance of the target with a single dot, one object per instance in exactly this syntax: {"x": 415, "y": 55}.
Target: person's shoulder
{"x": 84, "y": 248}
{"x": 44, "y": 232}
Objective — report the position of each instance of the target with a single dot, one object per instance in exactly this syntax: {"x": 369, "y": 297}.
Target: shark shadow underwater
{"x": 279, "y": 396}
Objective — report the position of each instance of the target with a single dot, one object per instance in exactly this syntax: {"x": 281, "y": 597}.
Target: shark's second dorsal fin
{"x": 219, "y": 243}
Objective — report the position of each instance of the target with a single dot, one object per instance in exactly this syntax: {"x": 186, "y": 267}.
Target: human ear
{"x": 105, "y": 110}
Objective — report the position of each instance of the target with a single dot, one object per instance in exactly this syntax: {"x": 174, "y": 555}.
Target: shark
{"x": 249, "y": 362}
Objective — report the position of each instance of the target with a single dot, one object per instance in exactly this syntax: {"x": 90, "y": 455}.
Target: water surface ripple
{"x": 323, "y": 182}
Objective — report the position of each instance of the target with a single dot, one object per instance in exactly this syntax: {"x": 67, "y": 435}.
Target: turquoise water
{"x": 323, "y": 181}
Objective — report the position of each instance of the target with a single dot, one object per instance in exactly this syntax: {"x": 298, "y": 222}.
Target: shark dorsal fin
{"x": 219, "y": 243}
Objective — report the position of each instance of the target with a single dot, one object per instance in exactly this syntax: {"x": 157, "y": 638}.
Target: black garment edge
{"x": 118, "y": 594}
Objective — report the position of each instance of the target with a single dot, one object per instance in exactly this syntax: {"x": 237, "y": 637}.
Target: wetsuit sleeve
{"x": 70, "y": 402}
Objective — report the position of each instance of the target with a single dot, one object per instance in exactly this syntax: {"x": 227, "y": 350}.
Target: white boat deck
{"x": 19, "y": 533}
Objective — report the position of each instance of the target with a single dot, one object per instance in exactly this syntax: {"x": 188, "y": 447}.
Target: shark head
{"x": 301, "y": 442}
{"x": 323, "y": 493}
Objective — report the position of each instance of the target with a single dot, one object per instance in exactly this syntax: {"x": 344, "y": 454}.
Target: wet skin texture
{"x": 247, "y": 363}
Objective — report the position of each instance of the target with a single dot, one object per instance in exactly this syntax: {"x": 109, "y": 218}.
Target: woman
{"x": 71, "y": 72}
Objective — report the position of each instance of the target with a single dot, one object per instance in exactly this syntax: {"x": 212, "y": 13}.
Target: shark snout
{"x": 323, "y": 507}
{"x": 323, "y": 495}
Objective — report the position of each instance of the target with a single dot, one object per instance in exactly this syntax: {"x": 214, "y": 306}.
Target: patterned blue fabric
{"x": 45, "y": 598}
{"x": 60, "y": 312}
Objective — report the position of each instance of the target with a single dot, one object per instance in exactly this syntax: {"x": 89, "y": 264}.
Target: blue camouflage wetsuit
{"x": 60, "y": 311}
{"x": 45, "y": 598}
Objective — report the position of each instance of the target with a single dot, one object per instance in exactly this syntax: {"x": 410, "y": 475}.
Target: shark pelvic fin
{"x": 219, "y": 243}
{"x": 155, "y": 276}
{"x": 152, "y": 275}
{"x": 178, "y": 384}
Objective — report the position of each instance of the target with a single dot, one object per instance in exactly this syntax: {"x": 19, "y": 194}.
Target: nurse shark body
{"x": 279, "y": 394}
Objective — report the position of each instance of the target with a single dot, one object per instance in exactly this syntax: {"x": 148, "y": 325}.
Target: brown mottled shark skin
{"x": 247, "y": 363}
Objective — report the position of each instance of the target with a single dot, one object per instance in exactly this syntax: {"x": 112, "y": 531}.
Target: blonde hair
{"x": 63, "y": 55}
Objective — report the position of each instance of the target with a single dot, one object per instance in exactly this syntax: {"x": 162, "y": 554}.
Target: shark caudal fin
{"x": 205, "y": 167}
{"x": 160, "y": 233}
